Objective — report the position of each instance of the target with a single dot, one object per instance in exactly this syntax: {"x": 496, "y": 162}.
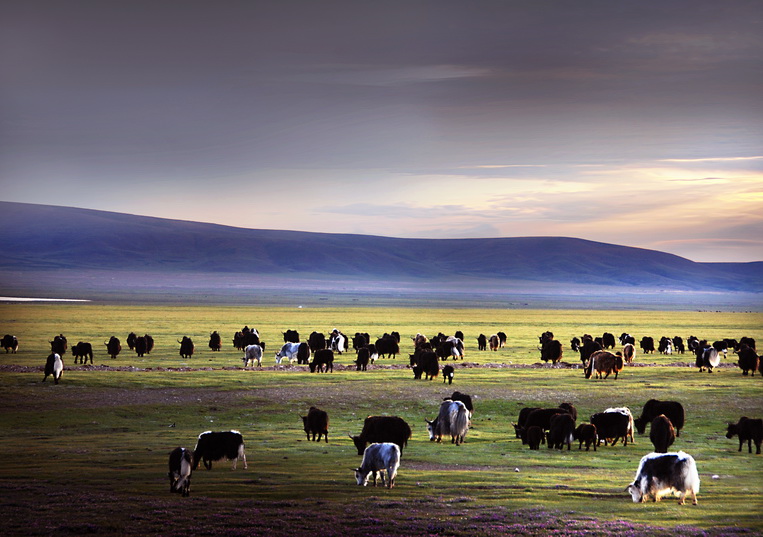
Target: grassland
{"x": 89, "y": 456}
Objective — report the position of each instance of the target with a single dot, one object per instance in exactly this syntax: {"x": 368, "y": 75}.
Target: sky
{"x": 633, "y": 123}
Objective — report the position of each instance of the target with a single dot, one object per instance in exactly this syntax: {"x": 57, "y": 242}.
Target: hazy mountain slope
{"x": 39, "y": 237}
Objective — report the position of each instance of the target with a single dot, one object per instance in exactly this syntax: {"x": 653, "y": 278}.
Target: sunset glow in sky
{"x": 634, "y": 123}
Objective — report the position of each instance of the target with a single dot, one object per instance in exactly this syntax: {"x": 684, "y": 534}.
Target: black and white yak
{"x": 253, "y": 353}
{"x": 216, "y": 446}
{"x": 181, "y": 467}
{"x": 379, "y": 458}
{"x": 452, "y": 420}
{"x": 660, "y": 474}
{"x": 10, "y": 343}
{"x": 54, "y": 366}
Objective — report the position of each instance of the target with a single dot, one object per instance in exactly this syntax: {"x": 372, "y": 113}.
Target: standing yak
{"x": 215, "y": 341}
{"x": 10, "y": 343}
{"x": 113, "y": 346}
{"x": 186, "y": 347}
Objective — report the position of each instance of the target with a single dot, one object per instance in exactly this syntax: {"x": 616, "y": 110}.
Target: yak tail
{"x": 461, "y": 425}
{"x": 589, "y": 368}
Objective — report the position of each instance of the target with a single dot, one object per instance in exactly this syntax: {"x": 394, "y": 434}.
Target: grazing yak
{"x": 317, "y": 341}
{"x": 387, "y": 346}
{"x": 253, "y": 353}
{"x": 629, "y": 352}
{"x": 59, "y": 345}
{"x": 587, "y": 348}
{"x": 374, "y": 355}
{"x": 447, "y": 374}
{"x": 186, "y": 347}
{"x": 316, "y": 423}
{"x": 660, "y": 474}
{"x": 424, "y": 362}
{"x": 452, "y": 420}
{"x": 377, "y": 429}
{"x": 82, "y": 351}
{"x": 608, "y": 340}
{"x": 494, "y": 342}
{"x": 540, "y": 417}
{"x": 10, "y": 343}
{"x": 626, "y": 338}
{"x": 181, "y": 467}
{"x": 379, "y": 458}
{"x": 534, "y": 437}
{"x": 662, "y": 433}
{"x": 420, "y": 341}
{"x": 215, "y": 341}
{"x": 550, "y": 349}
{"x": 611, "y": 426}
{"x": 692, "y": 343}
{"x": 362, "y": 359}
{"x": 291, "y": 336}
{"x": 131, "y": 339}
{"x": 54, "y": 365}
{"x": 561, "y": 431}
{"x": 570, "y": 408}
{"x": 653, "y": 408}
{"x": 603, "y": 363}
{"x": 113, "y": 347}
{"x": 678, "y": 344}
{"x": 289, "y": 351}
{"x": 749, "y": 430}
{"x": 575, "y": 344}
{"x": 722, "y": 346}
{"x": 501, "y": 339}
{"x": 450, "y": 346}
{"x": 627, "y": 411}
{"x": 749, "y": 341}
{"x": 665, "y": 346}
{"x": 247, "y": 336}
{"x": 360, "y": 340}
{"x": 482, "y": 342}
{"x": 216, "y": 446}
{"x": 303, "y": 353}
{"x": 749, "y": 360}
{"x": 464, "y": 398}
{"x": 143, "y": 345}
{"x": 520, "y": 425}
{"x": 647, "y": 345}
{"x": 586, "y": 433}
{"x": 337, "y": 342}
{"x": 323, "y": 361}
{"x": 708, "y": 357}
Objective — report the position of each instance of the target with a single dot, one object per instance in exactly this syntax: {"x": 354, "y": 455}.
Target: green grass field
{"x": 89, "y": 455}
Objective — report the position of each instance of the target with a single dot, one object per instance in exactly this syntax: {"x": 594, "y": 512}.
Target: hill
{"x": 38, "y": 239}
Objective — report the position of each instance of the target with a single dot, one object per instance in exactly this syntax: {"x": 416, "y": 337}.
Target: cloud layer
{"x": 632, "y": 123}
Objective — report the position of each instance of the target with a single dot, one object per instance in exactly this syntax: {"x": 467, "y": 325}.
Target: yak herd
{"x": 598, "y": 358}
{"x": 383, "y": 438}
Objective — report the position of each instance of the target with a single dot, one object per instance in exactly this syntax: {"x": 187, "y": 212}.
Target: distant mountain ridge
{"x": 48, "y": 238}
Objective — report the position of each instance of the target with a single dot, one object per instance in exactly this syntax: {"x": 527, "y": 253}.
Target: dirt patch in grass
{"x": 36, "y": 508}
